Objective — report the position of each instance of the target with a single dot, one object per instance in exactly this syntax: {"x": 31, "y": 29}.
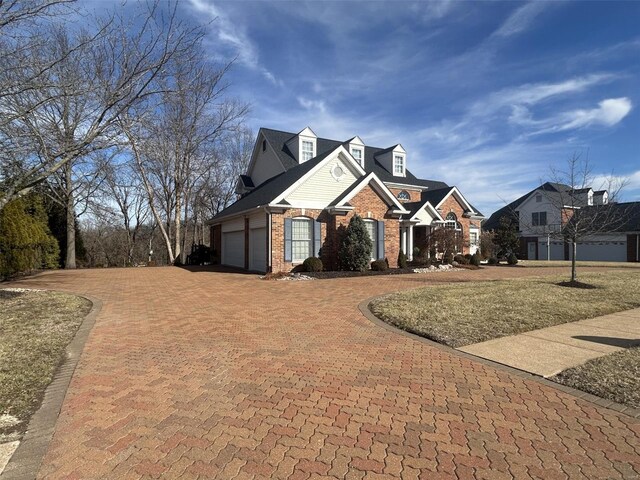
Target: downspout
{"x": 269, "y": 256}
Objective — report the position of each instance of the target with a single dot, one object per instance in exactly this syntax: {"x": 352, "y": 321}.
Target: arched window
{"x": 451, "y": 221}
{"x": 404, "y": 196}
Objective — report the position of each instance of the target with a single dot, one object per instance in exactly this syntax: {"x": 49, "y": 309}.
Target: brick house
{"x": 300, "y": 192}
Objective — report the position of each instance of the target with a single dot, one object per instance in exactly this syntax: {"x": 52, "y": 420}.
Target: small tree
{"x": 356, "y": 246}
{"x": 447, "y": 241}
{"x": 487, "y": 245}
{"x": 402, "y": 260}
{"x": 506, "y": 237}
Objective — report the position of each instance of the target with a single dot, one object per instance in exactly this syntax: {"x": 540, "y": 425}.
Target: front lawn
{"x": 466, "y": 313}
{"x": 615, "y": 377}
{"x": 35, "y": 328}
{"x": 584, "y": 263}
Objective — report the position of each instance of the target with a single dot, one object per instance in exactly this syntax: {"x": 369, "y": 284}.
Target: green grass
{"x": 567, "y": 263}
{"x": 615, "y": 377}
{"x": 35, "y": 328}
{"x": 466, "y": 313}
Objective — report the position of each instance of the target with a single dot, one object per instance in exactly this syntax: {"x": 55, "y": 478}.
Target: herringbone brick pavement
{"x": 218, "y": 375}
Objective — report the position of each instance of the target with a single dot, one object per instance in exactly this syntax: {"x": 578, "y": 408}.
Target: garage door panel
{"x": 601, "y": 251}
{"x": 258, "y": 249}
{"x": 233, "y": 249}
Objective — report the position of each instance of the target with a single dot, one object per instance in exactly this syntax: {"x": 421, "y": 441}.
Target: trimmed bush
{"x": 379, "y": 266}
{"x": 512, "y": 259}
{"x": 312, "y": 264}
{"x": 448, "y": 258}
{"x": 475, "y": 260}
{"x": 493, "y": 261}
{"x": 356, "y": 246}
{"x": 462, "y": 260}
{"x": 402, "y": 260}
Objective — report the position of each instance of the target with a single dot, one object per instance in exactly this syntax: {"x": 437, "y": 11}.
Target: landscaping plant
{"x": 356, "y": 246}
{"x": 312, "y": 264}
{"x": 402, "y": 260}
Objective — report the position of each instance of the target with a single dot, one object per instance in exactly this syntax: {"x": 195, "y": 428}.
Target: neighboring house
{"x": 540, "y": 217}
{"x": 300, "y": 192}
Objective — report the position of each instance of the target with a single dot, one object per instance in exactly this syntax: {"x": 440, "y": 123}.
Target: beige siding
{"x": 258, "y": 220}
{"x": 321, "y": 189}
{"x": 266, "y": 165}
{"x": 233, "y": 225}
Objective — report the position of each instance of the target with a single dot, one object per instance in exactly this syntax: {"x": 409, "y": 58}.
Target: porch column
{"x": 410, "y": 243}
{"x": 403, "y": 240}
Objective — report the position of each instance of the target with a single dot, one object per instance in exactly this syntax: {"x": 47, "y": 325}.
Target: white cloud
{"x": 233, "y": 35}
{"x": 317, "y": 106}
{"x": 608, "y": 113}
{"x": 521, "y": 19}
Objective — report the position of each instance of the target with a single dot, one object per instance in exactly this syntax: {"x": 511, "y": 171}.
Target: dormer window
{"x": 357, "y": 154}
{"x": 398, "y": 165}
{"x": 307, "y": 150}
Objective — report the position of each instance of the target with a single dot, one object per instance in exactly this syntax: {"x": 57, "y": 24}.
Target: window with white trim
{"x": 357, "y": 154}
{"x": 398, "y": 165}
{"x": 301, "y": 239}
{"x": 373, "y": 235}
{"x": 404, "y": 196}
{"x": 473, "y": 238}
{"x": 451, "y": 221}
{"x": 307, "y": 150}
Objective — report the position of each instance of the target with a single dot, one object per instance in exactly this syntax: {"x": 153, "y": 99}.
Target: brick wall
{"x": 215, "y": 234}
{"x": 277, "y": 235}
{"x": 367, "y": 203}
{"x": 451, "y": 204}
{"x": 415, "y": 194}
{"x": 632, "y": 248}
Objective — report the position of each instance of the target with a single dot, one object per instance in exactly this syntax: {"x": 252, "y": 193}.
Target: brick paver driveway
{"x": 223, "y": 375}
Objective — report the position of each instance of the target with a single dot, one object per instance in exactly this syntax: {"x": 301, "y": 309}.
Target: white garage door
{"x": 233, "y": 249}
{"x": 601, "y": 251}
{"x": 258, "y": 249}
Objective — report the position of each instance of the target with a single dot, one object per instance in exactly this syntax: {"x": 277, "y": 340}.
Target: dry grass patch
{"x": 567, "y": 263}
{"x": 615, "y": 377}
{"x": 467, "y": 313}
{"x": 35, "y": 328}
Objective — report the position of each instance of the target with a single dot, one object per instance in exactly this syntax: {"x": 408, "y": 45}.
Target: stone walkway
{"x": 548, "y": 351}
{"x": 217, "y": 375}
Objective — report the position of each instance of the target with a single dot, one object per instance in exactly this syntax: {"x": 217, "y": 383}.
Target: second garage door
{"x": 258, "y": 249}
{"x": 233, "y": 249}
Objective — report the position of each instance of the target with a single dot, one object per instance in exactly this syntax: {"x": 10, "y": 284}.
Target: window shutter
{"x": 380, "y": 246}
{"x": 287, "y": 239}
{"x": 317, "y": 238}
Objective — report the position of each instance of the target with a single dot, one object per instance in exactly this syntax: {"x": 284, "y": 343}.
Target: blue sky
{"x": 483, "y": 95}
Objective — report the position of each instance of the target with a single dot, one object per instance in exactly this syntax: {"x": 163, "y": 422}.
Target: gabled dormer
{"x": 244, "y": 184}
{"x": 394, "y": 159}
{"x": 356, "y": 149}
{"x": 304, "y": 145}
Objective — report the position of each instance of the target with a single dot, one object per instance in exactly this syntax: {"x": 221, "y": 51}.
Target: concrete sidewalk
{"x": 548, "y": 351}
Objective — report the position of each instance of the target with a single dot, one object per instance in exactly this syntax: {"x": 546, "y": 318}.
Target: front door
{"x": 531, "y": 250}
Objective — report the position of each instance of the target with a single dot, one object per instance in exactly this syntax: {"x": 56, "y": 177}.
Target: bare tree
{"x": 580, "y": 216}
{"x": 113, "y": 67}
{"x": 16, "y": 13}
{"x": 124, "y": 199}
{"x": 175, "y": 141}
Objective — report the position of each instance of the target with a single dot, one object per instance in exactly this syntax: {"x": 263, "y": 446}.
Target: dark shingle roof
{"x": 278, "y": 139}
{"x": 618, "y": 217}
{"x": 508, "y": 210}
{"x": 269, "y": 190}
